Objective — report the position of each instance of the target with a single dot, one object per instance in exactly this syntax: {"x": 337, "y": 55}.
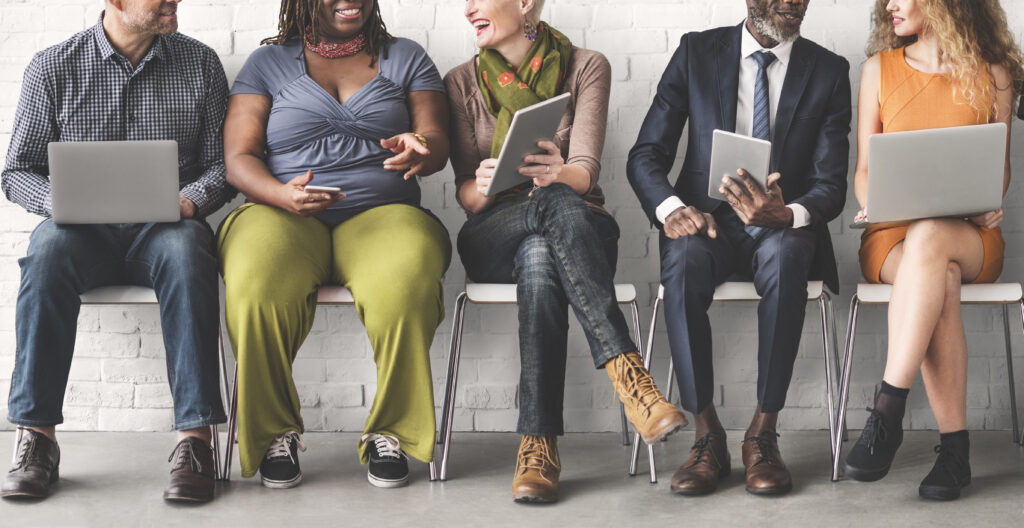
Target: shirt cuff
{"x": 670, "y": 204}
{"x": 801, "y": 217}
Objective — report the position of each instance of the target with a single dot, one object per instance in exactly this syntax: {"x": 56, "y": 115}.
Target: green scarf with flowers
{"x": 538, "y": 78}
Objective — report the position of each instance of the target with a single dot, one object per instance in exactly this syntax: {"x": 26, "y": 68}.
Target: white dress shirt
{"x": 745, "y": 108}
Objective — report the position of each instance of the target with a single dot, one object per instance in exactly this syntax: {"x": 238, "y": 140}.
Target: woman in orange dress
{"x": 934, "y": 63}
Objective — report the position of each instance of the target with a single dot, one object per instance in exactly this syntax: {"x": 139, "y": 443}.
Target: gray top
{"x": 308, "y": 129}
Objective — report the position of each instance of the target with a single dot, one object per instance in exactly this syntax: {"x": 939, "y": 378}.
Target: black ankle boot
{"x": 872, "y": 455}
{"x": 952, "y": 469}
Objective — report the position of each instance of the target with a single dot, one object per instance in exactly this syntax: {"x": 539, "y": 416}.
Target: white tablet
{"x": 529, "y": 125}
{"x": 731, "y": 152}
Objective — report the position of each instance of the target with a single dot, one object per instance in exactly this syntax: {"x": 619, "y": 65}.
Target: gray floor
{"x": 116, "y": 478}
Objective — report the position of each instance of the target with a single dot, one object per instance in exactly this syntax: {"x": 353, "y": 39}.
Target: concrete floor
{"x": 116, "y": 479}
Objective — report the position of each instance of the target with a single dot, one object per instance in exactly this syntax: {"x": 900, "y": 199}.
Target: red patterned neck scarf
{"x": 331, "y": 50}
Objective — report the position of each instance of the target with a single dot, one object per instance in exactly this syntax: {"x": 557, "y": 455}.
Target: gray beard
{"x": 764, "y": 26}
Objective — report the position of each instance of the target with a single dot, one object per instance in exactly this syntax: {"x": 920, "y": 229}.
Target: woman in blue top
{"x": 334, "y": 101}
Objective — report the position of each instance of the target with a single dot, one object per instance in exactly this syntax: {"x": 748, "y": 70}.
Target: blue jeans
{"x": 177, "y": 260}
{"x": 559, "y": 253}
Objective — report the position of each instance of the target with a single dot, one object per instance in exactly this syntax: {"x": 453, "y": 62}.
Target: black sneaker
{"x": 280, "y": 466}
{"x": 389, "y": 466}
{"x": 950, "y": 474}
{"x": 872, "y": 455}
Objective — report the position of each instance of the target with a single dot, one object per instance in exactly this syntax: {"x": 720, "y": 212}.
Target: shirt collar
{"x": 156, "y": 50}
{"x": 750, "y": 46}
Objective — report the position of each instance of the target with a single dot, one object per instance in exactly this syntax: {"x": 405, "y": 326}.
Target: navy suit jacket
{"x": 810, "y": 142}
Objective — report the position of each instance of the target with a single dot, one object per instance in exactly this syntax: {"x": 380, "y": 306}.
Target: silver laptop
{"x": 933, "y": 173}
{"x": 113, "y": 182}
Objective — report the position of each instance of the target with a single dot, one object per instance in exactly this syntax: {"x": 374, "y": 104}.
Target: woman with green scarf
{"x": 551, "y": 236}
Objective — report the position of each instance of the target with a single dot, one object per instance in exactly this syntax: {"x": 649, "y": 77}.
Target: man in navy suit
{"x": 758, "y": 79}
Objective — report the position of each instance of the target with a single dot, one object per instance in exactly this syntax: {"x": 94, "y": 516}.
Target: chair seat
{"x": 745, "y": 291}
{"x": 1000, "y": 293}
{"x": 488, "y": 293}
{"x": 120, "y": 295}
{"x": 334, "y": 295}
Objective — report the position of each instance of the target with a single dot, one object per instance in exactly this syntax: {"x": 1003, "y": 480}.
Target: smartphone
{"x": 320, "y": 188}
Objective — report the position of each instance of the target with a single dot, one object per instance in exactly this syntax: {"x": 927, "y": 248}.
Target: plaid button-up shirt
{"x": 83, "y": 90}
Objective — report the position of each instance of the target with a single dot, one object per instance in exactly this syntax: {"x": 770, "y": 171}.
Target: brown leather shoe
{"x": 537, "y": 469}
{"x": 708, "y": 462}
{"x": 766, "y": 472}
{"x": 646, "y": 408}
{"x": 35, "y": 468}
{"x": 192, "y": 473}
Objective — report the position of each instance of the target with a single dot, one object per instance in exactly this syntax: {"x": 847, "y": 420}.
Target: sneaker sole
{"x": 282, "y": 484}
{"x": 940, "y": 493}
{"x": 386, "y": 483}
{"x": 864, "y": 475}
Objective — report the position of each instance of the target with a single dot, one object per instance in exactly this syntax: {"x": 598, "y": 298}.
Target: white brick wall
{"x": 118, "y": 378}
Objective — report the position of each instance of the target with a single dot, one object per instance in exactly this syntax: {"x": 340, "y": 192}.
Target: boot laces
{"x": 703, "y": 447}
{"x": 281, "y": 447}
{"x": 386, "y": 446}
{"x": 875, "y": 430}
{"x": 638, "y": 383}
{"x": 538, "y": 452}
{"x": 28, "y": 451}
{"x": 185, "y": 455}
{"x": 763, "y": 443}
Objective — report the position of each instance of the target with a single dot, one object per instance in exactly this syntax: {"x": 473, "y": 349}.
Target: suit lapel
{"x": 801, "y": 65}
{"x": 727, "y": 70}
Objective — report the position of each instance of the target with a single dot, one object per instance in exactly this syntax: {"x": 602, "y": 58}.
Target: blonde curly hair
{"x": 972, "y": 34}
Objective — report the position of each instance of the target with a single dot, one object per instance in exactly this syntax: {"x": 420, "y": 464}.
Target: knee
{"x": 562, "y": 201}
{"x": 925, "y": 239}
{"x": 535, "y": 262}
{"x": 405, "y": 298}
{"x": 184, "y": 250}
{"x": 687, "y": 260}
{"x": 954, "y": 279}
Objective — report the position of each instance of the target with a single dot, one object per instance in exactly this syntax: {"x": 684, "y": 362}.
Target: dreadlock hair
{"x": 297, "y": 15}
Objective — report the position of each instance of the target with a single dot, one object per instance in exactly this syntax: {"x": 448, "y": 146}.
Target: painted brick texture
{"x": 119, "y": 381}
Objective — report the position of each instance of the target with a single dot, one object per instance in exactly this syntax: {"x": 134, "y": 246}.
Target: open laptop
{"x": 933, "y": 173}
{"x": 113, "y": 182}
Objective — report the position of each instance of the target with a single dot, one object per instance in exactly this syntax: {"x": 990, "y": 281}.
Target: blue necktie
{"x": 762, "y": 110}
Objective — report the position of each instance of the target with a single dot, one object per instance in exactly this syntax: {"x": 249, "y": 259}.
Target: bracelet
{"x": 421, "y": 138}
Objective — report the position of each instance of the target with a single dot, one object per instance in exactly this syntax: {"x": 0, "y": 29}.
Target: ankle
{"x": 706, "y": 421}
{"x": 202, "y": 433}
{"x": 49, "y": 432}
{"x": 762, "y": 421}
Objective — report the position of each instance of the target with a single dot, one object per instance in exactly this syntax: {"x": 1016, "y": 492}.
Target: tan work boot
{"x": 646, "y": 408}
{"x": 537, "y": 469}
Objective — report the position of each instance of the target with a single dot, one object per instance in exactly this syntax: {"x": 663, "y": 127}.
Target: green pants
{"x": 391, "y": 257}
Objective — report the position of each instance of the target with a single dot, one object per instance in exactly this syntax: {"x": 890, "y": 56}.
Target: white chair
{"x": 1003, "y": 294}
{"x": 140, "y": 295}
{"x": 506, "y": 294}
{"x": 325, "y": 296}
{"x": 745, "y": 292}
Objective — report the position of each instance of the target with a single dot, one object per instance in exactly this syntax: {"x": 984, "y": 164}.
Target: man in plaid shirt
{"x": 130, "y": 77}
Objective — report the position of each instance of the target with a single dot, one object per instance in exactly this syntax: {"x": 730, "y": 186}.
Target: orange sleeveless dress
{"x": 912, "y": 100}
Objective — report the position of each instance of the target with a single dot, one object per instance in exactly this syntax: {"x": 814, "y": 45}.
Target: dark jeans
{"x": 559, "y": 253}
{"x": 779, "y": 263}
{"x": 177, "y": 260}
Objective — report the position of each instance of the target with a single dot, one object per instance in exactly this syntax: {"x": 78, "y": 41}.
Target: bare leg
{"x": 945, "y": 365}
{"x": 919, "y": 289}
{"x": 202, "y": 433}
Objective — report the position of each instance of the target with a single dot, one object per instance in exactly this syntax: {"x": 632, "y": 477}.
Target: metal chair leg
{"x": 825, "y": 338}
{"x": 844, "y": 390}
{"x": 18, "y": 433}
{"x": 838, "y": 369}
{"x": 217, "y": 471}
{"x": 635, "y": 454}
{"x": 1009, "y": 371}
{"x": 220, "y": 470}
{"x": 451, "y": 384}
{"x": 232, "y": 428}
{"x": 647, "y": 355}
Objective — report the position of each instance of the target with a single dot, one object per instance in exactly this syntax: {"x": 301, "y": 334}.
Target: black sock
{"x": 959, "y": 440}
{"x": 892, "y": 403}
